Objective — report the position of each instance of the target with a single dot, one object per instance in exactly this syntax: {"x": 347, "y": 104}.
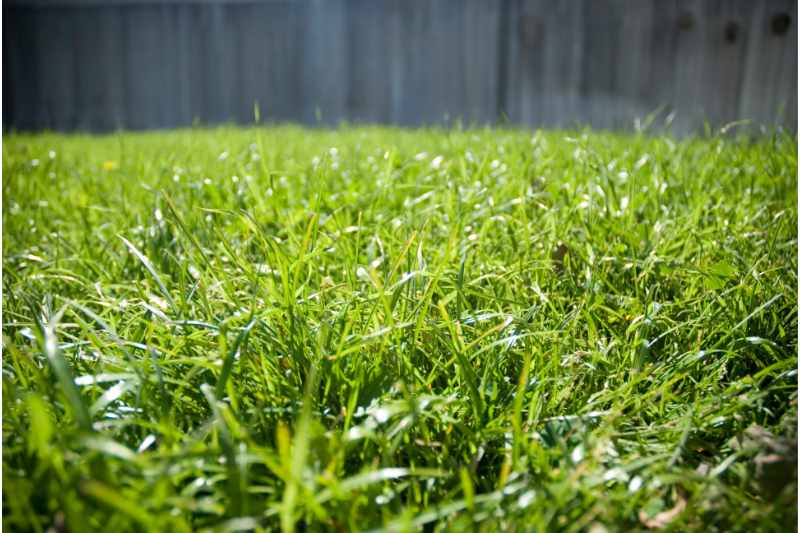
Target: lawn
{"x": 373, "y": 328}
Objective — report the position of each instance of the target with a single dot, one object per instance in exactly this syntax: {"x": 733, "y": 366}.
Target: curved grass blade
{"x": 111, "y": 498}
{"x": 64, "y": 374}
{"x": 149, "y": 266}
{"x": 236, "y": 492}
{"x": 227, "y": 365}
{"x": 359, "y": 481}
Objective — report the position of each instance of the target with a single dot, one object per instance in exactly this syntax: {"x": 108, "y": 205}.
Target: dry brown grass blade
{"x": 663, "y": 519}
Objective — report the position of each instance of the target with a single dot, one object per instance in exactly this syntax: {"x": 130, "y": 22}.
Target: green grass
{"x": 381, "y": 328}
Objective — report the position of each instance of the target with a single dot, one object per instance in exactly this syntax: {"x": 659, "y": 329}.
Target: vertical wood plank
{"x": 414, "y": 103}
{"x": 447, "y": 62}
{"x": 144, "y": 76}
{"x": 9, "y": 43}
{"x": 770, "y": 72}
{"x": 656, "y": 88}
{"x": 270, "y": 51}
{"x": 255, "y": 49}
{"x": 633, "y": 65}
{"x": 195, "y": 31}
{"x": 325, "y": 66}
{"x": 221, "y": 65}
{"x": 181, "y": 26}
{"x": 169, "y": 66}
{"x": 479, "y": 48}
{"x": 551, "y": 58}
{"x": 23, "y": 68}
{"x": 55, "y": 67}
{"x": 601, "y": 33}
{"x": 396, "y": 58}
{"x": 369, "y": 52}
{"x": 100, "y": 93}
{"x": 726, "y": 39}
{"x": 690, "y": 67}
{"x": 518, "y": 80}
{"x": 26, "y": 56}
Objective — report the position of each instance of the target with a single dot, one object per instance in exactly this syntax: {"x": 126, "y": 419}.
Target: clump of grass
{"x": 253, "y": 329}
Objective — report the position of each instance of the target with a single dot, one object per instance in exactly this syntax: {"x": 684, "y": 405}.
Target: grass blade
{"x": 149, "y": 267}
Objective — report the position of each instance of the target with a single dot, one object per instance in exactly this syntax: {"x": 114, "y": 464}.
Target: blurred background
{"x": 100, "y": 65}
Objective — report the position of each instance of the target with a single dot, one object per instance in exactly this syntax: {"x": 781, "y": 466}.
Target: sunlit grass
{"x": 379, "y": 328}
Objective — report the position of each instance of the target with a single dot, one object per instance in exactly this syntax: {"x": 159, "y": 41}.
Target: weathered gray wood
{"x": 546, "y": 62}
{"x": 105, "y": 64}
{"x": 222, "y": 71}
{"x": 99, "y": 98}
{"x": 414, "y": 101}
{"x": 270, "y": 49}
{"x": 656, "y": 68}
{"x": 439, "y": 59}
{"x": 143, "y": 67}
{"x": 603, "y": 53}
{"x": 182, "y": 29}
{"x": 481, "y": 45}
{"x": 55, "y": 67}
{"x": 255, "y": 51}
{"x": 769, "y": 84}
{"x": 636, "y": 61}
{"x": 690, "y": 67}
{"x": 170, "y": 59}
{"x": 726, "y": 44}
{"x": 370, "y": 54}
{"x": 325, "y": 63}
{"x": 445, "y": 60}
{"x": 195, "y": 31}
{"x": 8, "y": 88}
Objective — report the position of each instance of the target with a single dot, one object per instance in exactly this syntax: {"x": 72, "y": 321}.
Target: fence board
{"x": 55, "y": 68}
{"x": 770, "y": 75}
{"x": 99, "y": 98}
{"x": 601, "y": 35}
{"x": 103, "y": 64}
{"x": 481, "y": 44}
{"x": 22, "y": 70}
{"x": 370, "y": 54}
{"x": 636, "y": 61}
{"x": 144, "y": 67}
{"x": 325, "y": 63}
{"x": 657, "y": 62}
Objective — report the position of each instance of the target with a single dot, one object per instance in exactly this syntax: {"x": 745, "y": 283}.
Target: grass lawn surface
{"x": 371, "y": 328}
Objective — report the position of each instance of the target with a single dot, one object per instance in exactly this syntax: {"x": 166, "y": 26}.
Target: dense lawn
{"x": 380, "y": 328}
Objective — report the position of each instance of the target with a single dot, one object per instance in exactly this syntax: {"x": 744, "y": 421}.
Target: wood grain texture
{"x": 99, "y": 65}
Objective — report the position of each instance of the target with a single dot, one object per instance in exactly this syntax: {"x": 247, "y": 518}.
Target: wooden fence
{"x": 104, "y": 64}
